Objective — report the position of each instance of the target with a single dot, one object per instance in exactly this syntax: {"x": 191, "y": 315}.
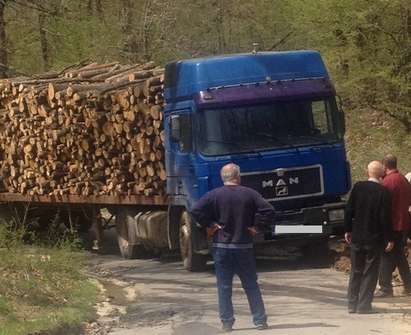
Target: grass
{"x": 42, "y": 288}
{"x": 371, "y": 135}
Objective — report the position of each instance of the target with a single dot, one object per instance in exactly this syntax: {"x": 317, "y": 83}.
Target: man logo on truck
{"x": 281, "y": 191}
{"x": 280, "y": 182}
{"x": 281, "y": 187}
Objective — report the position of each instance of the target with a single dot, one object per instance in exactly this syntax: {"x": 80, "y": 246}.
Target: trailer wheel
{"x": 128, "y": 248}
{"x": 192, "y": 261}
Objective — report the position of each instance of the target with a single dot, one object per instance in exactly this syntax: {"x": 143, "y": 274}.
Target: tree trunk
{"x": 146, "y": 28}
{"x": 220, "y": 26}
{"x": 90, "y": 7}
{"x": 99, "y": 8}
{"x": 130, "y": 46}
{"x": 94, "y": 7}
{"x": 43, "y": 41}
{"x": 3, "y": 42}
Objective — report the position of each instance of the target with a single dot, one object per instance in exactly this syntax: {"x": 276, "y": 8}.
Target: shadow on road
{"x": 295, "y": 326}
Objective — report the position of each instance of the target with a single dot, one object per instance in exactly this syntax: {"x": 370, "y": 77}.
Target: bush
{"x": 43, "y": 285}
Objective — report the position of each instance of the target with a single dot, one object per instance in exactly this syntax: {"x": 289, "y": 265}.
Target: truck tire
{"x": 192, "y": 261}
{"x": 127, "y": 249}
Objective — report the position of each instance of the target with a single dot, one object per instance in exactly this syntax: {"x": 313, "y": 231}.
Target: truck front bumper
{"x": 318, "y": 221}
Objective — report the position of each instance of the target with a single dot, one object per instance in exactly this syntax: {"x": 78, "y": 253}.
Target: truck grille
{"x": 284, "y": 184}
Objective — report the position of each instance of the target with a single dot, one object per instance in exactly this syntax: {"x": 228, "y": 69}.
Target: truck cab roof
{"x": 185, "y": 78}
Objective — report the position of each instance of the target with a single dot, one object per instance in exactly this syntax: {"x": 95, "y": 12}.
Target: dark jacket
{"x": 400, "y": 190}
{"x": 235, "y": 208}
{"x": 368, "y": 213}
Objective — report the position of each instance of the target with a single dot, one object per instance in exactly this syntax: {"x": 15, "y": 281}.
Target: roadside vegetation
{"x": 43, "y": 286}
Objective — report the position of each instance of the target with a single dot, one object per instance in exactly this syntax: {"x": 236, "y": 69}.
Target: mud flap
{"x": 199, "y": 239}
{"x": 173, "y": 226}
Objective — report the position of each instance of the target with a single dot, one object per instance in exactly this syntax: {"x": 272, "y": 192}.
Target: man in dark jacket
{"x": 234, "y": 213}
{"x": 400, "y": 191}
{"x": 368, "y": 230}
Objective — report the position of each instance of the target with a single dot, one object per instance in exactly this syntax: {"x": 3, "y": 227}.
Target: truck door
{"x": 179, "y": 147}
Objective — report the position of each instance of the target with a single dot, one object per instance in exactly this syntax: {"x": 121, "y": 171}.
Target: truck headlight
{"x": 336, "y": 215}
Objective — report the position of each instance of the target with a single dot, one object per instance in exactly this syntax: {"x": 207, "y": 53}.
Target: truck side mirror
{"x": 180, "y": 131}
{"x": 341, "y": 114}
{"x": 175, "y": 128}
{"x": 342, "y": 120}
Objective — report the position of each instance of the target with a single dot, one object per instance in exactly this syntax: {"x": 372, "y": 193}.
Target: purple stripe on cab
{"x": 265, "y": 92}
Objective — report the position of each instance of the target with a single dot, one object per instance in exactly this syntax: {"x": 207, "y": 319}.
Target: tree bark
{"x": 44, "y": 45}
{"x": 95, "y": 7}
{"x": 130, "y": 47}
{"x": 146, "y": 28}
{"x": 99, "y": 8}
{"x": 90, "y": 7}
{"x": 219, "y": 20}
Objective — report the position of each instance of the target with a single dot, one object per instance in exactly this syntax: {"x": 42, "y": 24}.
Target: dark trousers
{"x": 228, "y": 262}
{"x": 391, "y": 260}
{"x": 365, "y": 261}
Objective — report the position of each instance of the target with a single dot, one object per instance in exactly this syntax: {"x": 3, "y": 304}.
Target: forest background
{"x": 366, "y": 45}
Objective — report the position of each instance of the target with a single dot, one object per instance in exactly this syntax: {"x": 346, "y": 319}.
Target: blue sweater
{"x": 235, "y": 208}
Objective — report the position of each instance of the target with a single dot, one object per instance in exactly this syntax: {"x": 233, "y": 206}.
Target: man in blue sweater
{"x": 235, "y": 213}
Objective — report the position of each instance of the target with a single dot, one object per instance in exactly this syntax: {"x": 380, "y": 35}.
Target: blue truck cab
{"x": 275, "y": 115}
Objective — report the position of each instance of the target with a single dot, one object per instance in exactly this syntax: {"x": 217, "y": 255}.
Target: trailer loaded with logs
{"x": 89, "y": 131}
{"x": 89, "y": 137}
{"x": 146, "y": 143}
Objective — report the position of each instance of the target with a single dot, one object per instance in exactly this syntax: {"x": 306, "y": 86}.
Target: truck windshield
{"x": 263, "y": 127}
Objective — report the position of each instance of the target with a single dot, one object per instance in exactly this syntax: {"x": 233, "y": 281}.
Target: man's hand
{"x": 213, "y": 229}
{"x": 348, "y": 238}
{"x": 252, "y": 230}
{"x": 389, "y": 247}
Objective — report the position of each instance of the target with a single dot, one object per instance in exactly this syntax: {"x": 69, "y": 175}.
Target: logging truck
{"x": 272, "y": 113}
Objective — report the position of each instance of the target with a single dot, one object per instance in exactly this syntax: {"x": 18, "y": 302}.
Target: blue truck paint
{"x": 188, "y": 77}
{"x": 193, "y": 86}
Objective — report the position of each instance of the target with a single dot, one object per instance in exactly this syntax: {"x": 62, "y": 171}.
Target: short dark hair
{"x": 390, "y": 161}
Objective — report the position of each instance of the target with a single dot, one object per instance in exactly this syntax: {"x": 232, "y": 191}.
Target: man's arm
{"x": 386, "y": 216}
{"x": 350, "y": 214}
{"x": 409, "y": 194}
{"x": 202, "y": 211}
{"x": 389, "y": 184}
{"x": 264, "y": 212}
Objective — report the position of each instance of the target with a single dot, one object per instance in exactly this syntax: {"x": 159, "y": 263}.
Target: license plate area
{"x": 297, "y": 229}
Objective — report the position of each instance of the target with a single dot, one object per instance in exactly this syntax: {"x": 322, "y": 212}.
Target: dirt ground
{"x": 158, "y": 297}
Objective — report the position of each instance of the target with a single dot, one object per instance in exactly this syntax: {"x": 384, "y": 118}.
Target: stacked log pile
{"x": 94, "y": 129}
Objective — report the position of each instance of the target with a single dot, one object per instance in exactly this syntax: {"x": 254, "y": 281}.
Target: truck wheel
{"x": 128, "y": 248}
{"x": 192, "y": 261}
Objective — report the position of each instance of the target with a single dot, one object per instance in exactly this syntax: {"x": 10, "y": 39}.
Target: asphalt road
{"x": 158, "y": 297}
